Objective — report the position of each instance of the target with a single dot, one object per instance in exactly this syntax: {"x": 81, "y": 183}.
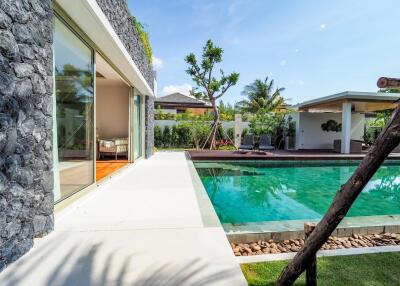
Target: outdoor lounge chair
{"x": 247, "y": 143}
{"x": 265, "y": 143}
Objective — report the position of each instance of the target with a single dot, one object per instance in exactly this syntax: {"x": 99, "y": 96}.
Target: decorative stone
{"x": 15, "y": 9}
{"x": 5, "y": 21}
{"x": 23, "y": 88}
{"x": 23, "y": 70}
{"x": 293, "y": 245}
{"x": 38, "y": 84}
{"x": 8, "y": 44}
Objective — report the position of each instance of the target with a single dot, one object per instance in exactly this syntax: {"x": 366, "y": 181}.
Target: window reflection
{"x": 74, "y": 107}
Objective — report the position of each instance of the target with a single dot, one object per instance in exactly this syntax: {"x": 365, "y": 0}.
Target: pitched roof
{"x": 180, "y": 98}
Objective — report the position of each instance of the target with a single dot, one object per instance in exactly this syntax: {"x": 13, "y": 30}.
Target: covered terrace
{"x": 349, "y": 102}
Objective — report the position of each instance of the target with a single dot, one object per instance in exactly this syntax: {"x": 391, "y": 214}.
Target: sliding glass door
{"x": 74, "y": 90}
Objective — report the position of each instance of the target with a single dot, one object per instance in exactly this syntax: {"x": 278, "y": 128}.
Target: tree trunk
{"x": 214, "y": 128}
{"x": 345, "y": 197}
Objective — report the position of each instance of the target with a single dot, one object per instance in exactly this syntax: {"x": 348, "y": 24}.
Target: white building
{"x": 346, "y": 108}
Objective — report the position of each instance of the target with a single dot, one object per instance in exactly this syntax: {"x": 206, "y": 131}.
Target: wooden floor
{"x": 105, "y": 168}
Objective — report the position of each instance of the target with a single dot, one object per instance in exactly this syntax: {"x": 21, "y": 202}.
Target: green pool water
{"x": 244, "y": 192}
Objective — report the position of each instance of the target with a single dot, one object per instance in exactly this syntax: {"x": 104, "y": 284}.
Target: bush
{"x": 157, "y": 136}
{"x": 166, "y": 137}
{"x": 184, "y": 136}
{"x": 245, "y": 131}
{"x": 230, "y": 134}
{"x": 220, "y": 133}
{"x": 175, "y": 136}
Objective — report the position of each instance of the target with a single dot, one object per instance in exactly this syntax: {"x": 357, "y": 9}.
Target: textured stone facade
{"x": 118, "y": 14}
{"x": 149, "y": 124}
{"x": 26, "y": 178}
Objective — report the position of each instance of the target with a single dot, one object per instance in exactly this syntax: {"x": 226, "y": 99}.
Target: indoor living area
{"x": 112, "y": 120}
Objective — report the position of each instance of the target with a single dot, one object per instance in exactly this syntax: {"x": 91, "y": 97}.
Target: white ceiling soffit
{"x": 91, "y": 20}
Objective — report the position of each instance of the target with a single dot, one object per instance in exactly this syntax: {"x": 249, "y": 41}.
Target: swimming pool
{"x": 245, "y": 192}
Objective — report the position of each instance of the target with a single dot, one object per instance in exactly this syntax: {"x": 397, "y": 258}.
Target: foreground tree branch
{"x": 345, "y": 197}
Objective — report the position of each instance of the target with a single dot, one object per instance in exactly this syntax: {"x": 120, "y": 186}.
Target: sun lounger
{"x": 247, "y": 143}
{"x": 265, "y": 143}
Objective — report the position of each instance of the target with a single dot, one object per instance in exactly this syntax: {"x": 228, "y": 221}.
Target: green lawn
{"x": 367, "y": 269}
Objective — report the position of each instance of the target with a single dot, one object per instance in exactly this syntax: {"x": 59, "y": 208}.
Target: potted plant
{"x": 290, "y": 134}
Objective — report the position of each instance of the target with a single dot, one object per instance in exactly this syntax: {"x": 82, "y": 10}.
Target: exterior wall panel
{"x": 26, "y": 177}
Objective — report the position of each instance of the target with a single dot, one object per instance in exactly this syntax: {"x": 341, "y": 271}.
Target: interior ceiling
{"x": 357, "y": 106}
{"x": 105, "y": 74}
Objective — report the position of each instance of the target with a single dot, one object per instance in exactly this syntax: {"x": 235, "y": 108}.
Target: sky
{"x": 311, "y": 48}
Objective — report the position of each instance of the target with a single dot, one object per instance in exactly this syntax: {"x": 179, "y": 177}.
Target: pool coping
{"x": 294, "y": 229}
{"x": 230, "y": 155}
{"x": 207, "y": 211}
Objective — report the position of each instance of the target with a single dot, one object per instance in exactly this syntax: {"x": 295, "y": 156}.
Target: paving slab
{"x": 143, "y": 227}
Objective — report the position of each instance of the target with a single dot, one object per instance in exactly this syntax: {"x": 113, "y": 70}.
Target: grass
{"x": 367, "y": 269}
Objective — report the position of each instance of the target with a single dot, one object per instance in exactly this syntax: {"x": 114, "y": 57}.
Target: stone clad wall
{"x": 118, "y": 14}
{"x": 26, "y": 178}
{"x": 149, "y": 124}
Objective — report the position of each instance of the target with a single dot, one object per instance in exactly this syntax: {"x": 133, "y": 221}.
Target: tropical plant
{"x": 261, "y": 95}
{"x": 157, "y": 136}
{"x": 211, "y": 88}
{"x": 144, "y": 38}
{"x": 198, "y": 132}
{"x": 331, "y": 125}
{"x": 226, "y": 111}
{"x": 166, "y": 136}
{"x": 174, "y": 136}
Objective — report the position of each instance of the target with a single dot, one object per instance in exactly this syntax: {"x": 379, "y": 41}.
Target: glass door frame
{"x": 135, "y": 92}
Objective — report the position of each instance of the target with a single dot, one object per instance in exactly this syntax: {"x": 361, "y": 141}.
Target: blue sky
{"x": 312, "y": 48}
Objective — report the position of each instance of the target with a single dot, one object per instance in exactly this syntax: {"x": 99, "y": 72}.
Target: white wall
{"x": 225, "y": 124}
{"x": 309, "y": 134}
{"x": 112, "y": 113}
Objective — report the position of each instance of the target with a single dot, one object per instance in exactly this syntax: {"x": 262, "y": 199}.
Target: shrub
{"x": 230, "y": 134}
{"x": 184, "y": 135}
{"x": 157, "y": 136}
{"x": 174, "y": 136}
{"x": 220, "y": 133}
{"x": 245, "y": 131}
{"x": 166, "y": 137}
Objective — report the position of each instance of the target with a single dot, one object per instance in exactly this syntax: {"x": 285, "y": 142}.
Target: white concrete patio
{"x": 143, "y": 227}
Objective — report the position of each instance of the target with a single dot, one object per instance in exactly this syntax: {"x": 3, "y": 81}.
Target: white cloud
{"x": 157, "y": 63}
{"x": 283, "y": 63}
{"x": 322, "y": 26}
{"x": 184, "y": 89}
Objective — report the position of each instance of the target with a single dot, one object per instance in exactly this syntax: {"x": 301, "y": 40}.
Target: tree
{"x": 211, "y": 88}
{"x": 226, "y": 111}
{"x": 261, "y": 95}
{"x": 345, "y": 197}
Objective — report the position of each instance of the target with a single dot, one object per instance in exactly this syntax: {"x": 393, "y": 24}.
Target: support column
{"x": 346, "y": 127}
{"x": 238, "y": 130}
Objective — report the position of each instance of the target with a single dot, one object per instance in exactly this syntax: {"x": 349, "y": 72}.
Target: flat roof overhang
{"x": 91, "y": 20}
{"x": 186, "y": 105}
{"x": 361, "y": 102}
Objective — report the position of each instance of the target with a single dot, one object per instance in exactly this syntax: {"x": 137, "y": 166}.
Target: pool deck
{"x": 151, "y": 224}
{"x": 201, "y": 155}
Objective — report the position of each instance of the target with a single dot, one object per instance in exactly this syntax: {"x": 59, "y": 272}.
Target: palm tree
{"x": 261, "y": 95}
